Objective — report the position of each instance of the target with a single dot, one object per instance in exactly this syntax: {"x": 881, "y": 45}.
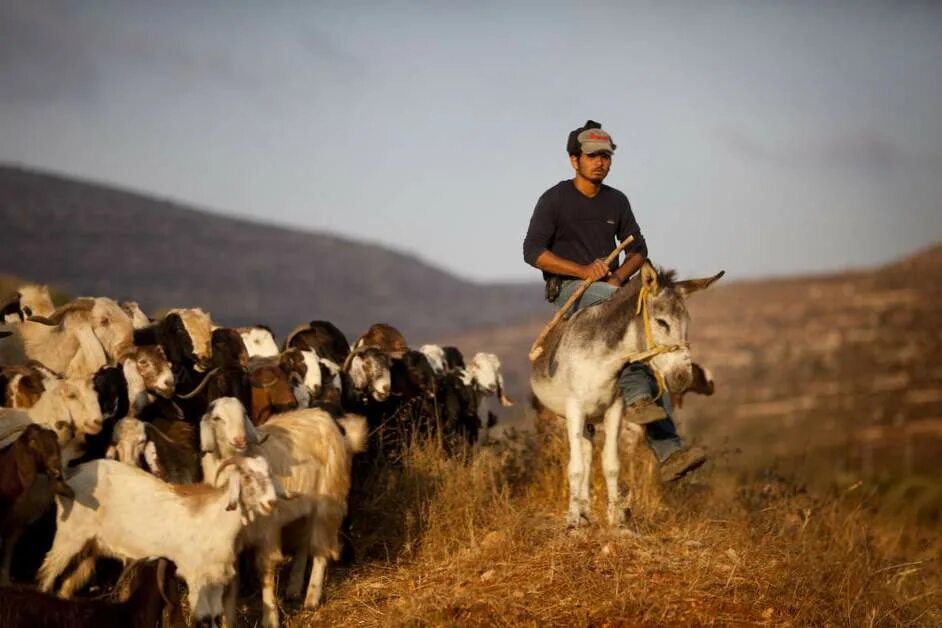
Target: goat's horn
{"x": 161, "y": 578}
{"x": 228, "y": 462}
{"x": 294, "y": 333}
{"x": 201, "y": 386}
{"x": 78, "y": 305}
{"x": 347, "y": 360}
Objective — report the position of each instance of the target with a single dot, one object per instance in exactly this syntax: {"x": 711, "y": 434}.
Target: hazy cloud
{"x": 866, "y": 152}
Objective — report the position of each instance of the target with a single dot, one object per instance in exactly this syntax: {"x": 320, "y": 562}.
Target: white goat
{"x": 129, "y": 514}
{"x": 436, "y": 357}
{"x": 484, "y": 374}
{"x": 70, "y": 407}
{"x": 310, "y": 455}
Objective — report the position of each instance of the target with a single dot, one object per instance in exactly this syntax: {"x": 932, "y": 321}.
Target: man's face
{"x": 593, "y": 167}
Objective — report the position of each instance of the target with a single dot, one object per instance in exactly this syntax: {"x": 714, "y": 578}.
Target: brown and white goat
{"x": 310, "y": 455}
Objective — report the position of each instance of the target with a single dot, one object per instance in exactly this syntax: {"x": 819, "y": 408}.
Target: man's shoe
{"x": 681, "y": 462}
{"x": 644, "y": 410}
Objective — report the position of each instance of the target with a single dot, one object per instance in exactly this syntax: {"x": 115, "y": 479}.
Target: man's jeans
{"x": 635, "y": 380}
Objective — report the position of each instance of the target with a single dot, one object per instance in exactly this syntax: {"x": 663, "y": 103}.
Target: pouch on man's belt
{"x": 554, "y": 283}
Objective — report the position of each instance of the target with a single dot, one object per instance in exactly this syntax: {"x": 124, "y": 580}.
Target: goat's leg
{"x": 229, "y": 600}
{"x": 267, "y": 559}
{"x": 6, "y": 560}
{"x": 611, "y": 464}
{"x": 300, "y": 532}
{"x": 79, "y": 577}
{"x": 575, "y": 425}
{"x": 315, "y": 586}
{"x": 58, "y": 558}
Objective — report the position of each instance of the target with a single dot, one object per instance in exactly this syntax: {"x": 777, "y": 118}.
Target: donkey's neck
{"x": 619, "y": 320}
{"x": 618, "y": 329}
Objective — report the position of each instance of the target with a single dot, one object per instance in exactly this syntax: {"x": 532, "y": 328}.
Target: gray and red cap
{"x": 590, "y": 139}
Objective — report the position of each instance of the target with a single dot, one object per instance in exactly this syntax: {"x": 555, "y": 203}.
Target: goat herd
{"x": 174, "y": 444}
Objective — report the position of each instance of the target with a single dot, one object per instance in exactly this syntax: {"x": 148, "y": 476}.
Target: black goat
{"x": 145, "y": 591}
{"x": 323, "y": 338}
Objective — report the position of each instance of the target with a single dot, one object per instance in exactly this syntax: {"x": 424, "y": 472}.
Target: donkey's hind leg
{"x": 575, "y": 427}
{"x": 611, "y": 464}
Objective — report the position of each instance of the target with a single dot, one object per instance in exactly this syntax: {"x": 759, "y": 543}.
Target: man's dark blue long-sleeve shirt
{"x": 578, "y": 228}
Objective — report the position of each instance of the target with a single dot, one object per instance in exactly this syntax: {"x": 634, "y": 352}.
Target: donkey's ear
{"x": 649, "y": 276}
{"x": 688, "y": 287}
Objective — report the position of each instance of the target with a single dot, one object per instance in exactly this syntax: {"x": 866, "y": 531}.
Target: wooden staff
{"x": 537, "y": 347}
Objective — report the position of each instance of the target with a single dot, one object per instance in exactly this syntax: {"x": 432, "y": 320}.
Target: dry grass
{"x": 480, "y": 540}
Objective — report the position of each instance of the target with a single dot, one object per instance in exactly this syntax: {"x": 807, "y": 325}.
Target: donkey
{"x": 576, "y": 376}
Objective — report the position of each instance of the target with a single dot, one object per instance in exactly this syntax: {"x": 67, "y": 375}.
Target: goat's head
{"x": 436, "y": 357}
{"x": 111, "y": 386}
{"x": 21, "y": 387}
{"x": 259, "y": 341}
{"x": 130, "y": 443}
{"x": 420, "y": 372}
{"x": 155, "y": 369}
{"x": 112, "y": 326}
{"x": 77, "y": 400}
{"x": 250, "y": 484}
{"x": 369, "y": 373}
{"x": 43, "y": 447}
{"x": 225, "y": 429}
{"x": 454, "y": 360}
{"x": 484, "y": 373}
{"x": 229, "y": 350}
{"x": 304, "y": 368}
{"x": 30, "y": 300}
{"x": 198, "y": 327}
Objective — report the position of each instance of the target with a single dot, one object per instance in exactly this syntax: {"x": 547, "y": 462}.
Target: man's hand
{"x": 595, "y": 271}
{"x": 614, "y": 281}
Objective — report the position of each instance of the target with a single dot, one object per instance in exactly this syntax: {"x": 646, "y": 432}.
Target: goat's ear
{"x": 504, "y": 399}
{"x": 649, "y": 276}
{"x": 235, "y": 486}
{"x": 25, "y": 465}
{"x": 688, "y": 287}
{"x": 279, "y": 489}
{"x": 250, "y": 434}
{"x": 153, "y": 462}
{"x": 207, "y": 438}
{"x": 111, "y": 453}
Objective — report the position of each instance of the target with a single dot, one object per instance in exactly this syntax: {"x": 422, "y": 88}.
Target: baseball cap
{"x": 589, "y": 139}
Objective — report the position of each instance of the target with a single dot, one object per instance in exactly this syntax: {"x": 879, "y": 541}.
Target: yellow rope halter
{"x": 653, "y": 348}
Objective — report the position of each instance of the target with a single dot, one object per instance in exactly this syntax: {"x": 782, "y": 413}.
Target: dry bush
{"x": 478, "y": 538}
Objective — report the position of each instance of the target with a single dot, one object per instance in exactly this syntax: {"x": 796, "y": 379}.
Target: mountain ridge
{"x": 91, "y": 238}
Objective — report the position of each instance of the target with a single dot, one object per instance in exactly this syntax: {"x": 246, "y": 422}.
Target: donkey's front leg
{"x": 575, "y": 426}
{"x": 611, "y": 464}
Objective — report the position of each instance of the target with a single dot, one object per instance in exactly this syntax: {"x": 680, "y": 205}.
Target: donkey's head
{"x": 668, "y": 320}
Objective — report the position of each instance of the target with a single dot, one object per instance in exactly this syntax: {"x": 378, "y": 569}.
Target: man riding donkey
{"x": 610, "y": 359}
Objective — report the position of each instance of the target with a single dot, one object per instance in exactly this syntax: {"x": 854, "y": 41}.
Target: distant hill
{"x": 90, "y": 239}
{"x": 846, "y": 367}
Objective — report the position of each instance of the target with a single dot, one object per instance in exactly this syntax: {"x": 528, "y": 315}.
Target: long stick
{"x": 537, "y": 347}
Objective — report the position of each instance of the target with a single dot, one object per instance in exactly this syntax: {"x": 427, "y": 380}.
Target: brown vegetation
{"x": 481, "y": 541}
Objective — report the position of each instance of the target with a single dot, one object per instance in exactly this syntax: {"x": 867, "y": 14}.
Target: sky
{"x": 764, "y": 138}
